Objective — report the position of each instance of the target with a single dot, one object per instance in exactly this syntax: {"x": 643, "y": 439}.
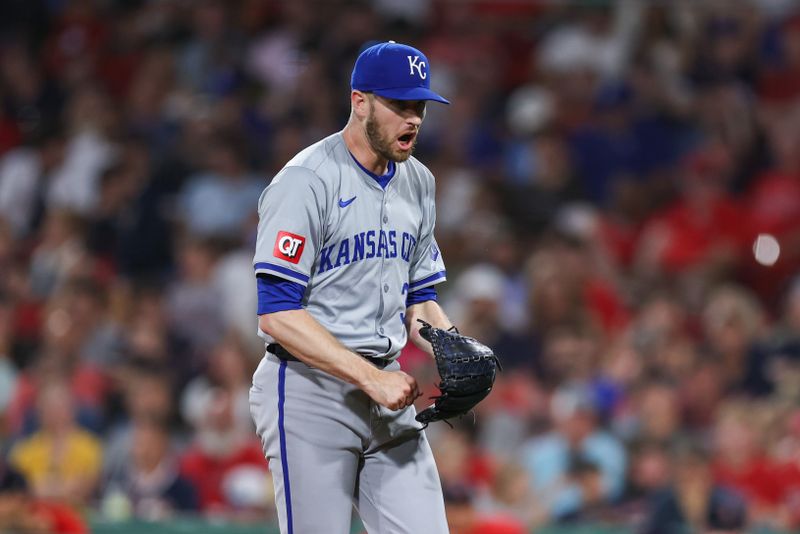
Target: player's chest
{"x": 364, "y": 210}
{"x": 370, "y": 228}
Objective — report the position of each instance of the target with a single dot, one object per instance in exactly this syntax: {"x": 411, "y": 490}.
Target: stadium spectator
{"x": 223, "y": 459}
{"x": 8, "y": 371}
{"x": 701, "y": 233}
{"x": 578, "y": 464}
{"x": 772, "y": 203}
{"x": 149, "y": 479}
{"x": 218, "y": 201}
{"x": 779, "y": 84}
{"x": 479, "y": 304}
{"x": 193, "y": 301}
{"x": 24, "y": 173}
{"x": 510, "y": 496}
{"x": 693, "y": 501}
{"x": 21, "y": 513}
{"x": 464, "y": 518}
{"x": 60, "y": 460}
{"x": 658, "y": 411}
{"x": 649, "y": 474}
{"x": 733, "y": 324}
{"x": 741, "y": 462}
{"x": 229, "y": 370}
{"x": 147, "y": 395}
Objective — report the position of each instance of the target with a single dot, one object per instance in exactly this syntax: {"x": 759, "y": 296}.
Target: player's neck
{"x": 357, "y": 143}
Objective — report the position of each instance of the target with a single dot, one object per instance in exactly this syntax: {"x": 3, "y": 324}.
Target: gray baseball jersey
{"x": 357, "y": 247}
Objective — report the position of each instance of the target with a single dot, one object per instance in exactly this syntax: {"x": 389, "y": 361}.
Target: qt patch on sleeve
{"x": 289, "y": 246}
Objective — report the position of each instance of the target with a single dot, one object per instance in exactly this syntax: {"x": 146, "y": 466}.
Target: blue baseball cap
{"x": 394, "y": 70}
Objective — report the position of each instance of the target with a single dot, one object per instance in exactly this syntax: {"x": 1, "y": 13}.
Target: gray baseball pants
{"x": 331, "y": 448}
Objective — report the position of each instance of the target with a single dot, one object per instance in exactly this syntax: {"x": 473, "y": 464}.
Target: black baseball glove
{"x": 467, "y": 369}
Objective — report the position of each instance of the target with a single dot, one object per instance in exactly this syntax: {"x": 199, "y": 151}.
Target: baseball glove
{"x": 467, "y": 370}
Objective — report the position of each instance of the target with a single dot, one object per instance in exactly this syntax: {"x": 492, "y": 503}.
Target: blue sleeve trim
{"x": 277, "y": 294}
{"x": 428, "y": 280}
{"x": 421, "y": 295}
{"x": 261, "y": 267}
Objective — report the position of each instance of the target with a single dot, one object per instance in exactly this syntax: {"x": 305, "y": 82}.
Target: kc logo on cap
{"x": 419, "y": 65}
{"x": 394, "y": 70}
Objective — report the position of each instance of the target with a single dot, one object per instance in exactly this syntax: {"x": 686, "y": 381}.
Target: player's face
{"x": 392, "y": 126}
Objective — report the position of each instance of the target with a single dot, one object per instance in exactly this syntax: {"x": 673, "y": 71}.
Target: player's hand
{"x": 393, "y": 389}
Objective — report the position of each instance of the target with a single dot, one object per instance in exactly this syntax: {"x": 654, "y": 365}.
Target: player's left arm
{"x": 426, "y": 271}
{"x": 430, "y": 312}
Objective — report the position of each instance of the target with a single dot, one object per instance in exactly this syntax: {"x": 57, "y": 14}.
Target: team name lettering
{"x": 406, "y": 245}
{"x": 371, "y": 244}
{"x": 393, "y": 244}
{"x": 358, "y": 246}
{"x": 383, "y": 250}
{"x": 365, "y": 246}
{"x": 343, "y": 258}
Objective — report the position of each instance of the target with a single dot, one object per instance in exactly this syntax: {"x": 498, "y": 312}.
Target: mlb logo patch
{"x": 289, "y": 246}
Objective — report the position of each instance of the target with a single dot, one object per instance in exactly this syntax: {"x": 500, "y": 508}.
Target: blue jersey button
{"x": 385, "y": 288}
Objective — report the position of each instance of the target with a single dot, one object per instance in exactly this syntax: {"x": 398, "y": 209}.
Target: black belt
{"x": 285, "y": 355}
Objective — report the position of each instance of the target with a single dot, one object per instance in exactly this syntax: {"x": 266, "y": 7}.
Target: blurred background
{"x": 618, "y": 206}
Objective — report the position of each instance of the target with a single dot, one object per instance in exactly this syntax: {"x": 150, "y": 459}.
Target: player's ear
{"x": 359, "y": 102}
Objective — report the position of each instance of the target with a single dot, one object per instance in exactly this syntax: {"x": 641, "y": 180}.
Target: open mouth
{"x": 406, "y": 141}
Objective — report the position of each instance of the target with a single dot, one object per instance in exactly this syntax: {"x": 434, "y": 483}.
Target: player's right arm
{"x": 290, "y": 234}
{"x": 299, "y": 333}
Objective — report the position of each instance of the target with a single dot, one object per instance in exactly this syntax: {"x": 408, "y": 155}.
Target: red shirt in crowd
{"x": 757, "y": 480}
{"x": 693, "y": 236}
{"x": 780, "y": 86}
{"x": 60, "y": 518}
{"x": 606, "y": 305}
{"x": 207, "y": 473}
{"x": 497, "y": 525}
{"x": 619, "y": 239}
{"x": 774, "y": 203}
{"x": 773, "y": 207}
{"x": 788, "y": 478}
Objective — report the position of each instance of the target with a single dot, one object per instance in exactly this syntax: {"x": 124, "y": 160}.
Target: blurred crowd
{"x": 618, "y": 188}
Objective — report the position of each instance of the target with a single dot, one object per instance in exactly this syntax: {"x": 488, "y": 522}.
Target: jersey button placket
{"x": 384, "y": 219}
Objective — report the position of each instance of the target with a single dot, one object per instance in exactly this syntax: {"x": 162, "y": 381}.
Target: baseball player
{"x": 346, "y": 262}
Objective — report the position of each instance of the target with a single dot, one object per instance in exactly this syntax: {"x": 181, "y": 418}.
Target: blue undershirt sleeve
{"x": 421, "y": 295}
{"x": 278, "y": 294}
